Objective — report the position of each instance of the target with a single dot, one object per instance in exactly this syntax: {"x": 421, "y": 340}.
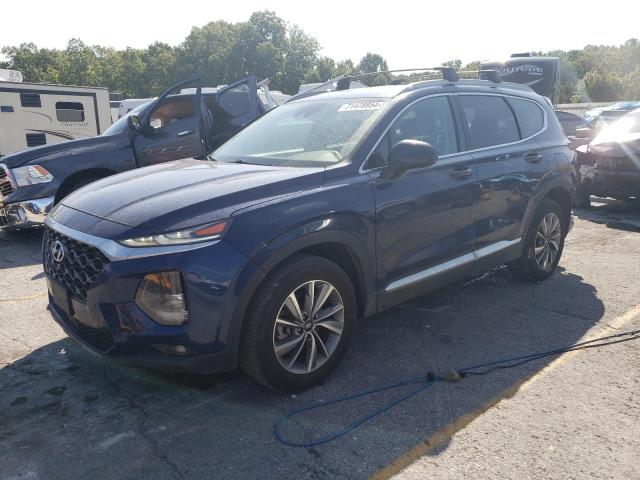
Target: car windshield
{"x": 308, "y": 133}
{"x": 621, "y": 129}
{"x": 121, "y": 124}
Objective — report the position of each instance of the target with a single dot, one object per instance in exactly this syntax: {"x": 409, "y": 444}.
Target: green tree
{"x": 372, "y": 62}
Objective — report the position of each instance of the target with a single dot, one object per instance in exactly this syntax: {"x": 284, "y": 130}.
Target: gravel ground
{"x": 66, "y": 414}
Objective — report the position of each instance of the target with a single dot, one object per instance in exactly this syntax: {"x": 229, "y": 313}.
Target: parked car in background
{"x": 600, "y": 117}
{"x": 333, "y": 206}
{"x": 171, "y": 127}
{"x": 576, "y": 128}
{"x": 129, "y": 104}
{"x": 609, "y": 165}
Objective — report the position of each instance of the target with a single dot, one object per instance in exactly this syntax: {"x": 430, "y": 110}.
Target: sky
{"x": 407, "y": 34}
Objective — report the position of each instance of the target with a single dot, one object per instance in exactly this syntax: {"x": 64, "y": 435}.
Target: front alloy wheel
{"x": 308, "y": 327}
{"x": 298, "y": 324}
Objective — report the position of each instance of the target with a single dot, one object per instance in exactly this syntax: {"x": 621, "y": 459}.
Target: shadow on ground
{"x": 30, "y": 239}
{"x": 618, "y": 214}
{"x": 66, "y": 414}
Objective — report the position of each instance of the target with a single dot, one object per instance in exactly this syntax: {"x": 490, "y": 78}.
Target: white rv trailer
{"x": 33, "y": 114}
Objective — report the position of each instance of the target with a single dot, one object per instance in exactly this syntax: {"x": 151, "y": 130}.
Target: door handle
{"x": 184, "y": 133}
{"x": 533, "y": 157}
{"x": 461, "y": 173}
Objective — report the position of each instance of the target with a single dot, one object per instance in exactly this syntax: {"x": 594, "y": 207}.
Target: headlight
{"x": 160, "y": 295}
{"x": 31, "y": 175}
{"x": 201, "y": 233}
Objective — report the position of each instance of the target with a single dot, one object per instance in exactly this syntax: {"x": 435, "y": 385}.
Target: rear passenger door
{"x": 424, "y": 217}
{"x": 500, "y": 132}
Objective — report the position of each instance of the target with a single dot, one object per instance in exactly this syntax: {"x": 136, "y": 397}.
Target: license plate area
{"x": 60, "y": 296}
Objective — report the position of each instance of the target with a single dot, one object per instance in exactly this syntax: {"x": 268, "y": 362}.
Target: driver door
{"x": 171, "y": 128}
{"x": 424, "y": 218}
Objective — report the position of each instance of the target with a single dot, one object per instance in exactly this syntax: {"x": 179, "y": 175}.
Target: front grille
{"x": 79, "y": 266}
{"x": 6, "y": 187}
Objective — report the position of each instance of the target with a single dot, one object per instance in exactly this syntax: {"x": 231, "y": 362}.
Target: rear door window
{"x": 489, "y": 120}
{"x": 529, "y": 115}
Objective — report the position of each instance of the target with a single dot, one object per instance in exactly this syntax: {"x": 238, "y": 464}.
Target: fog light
{"x": 161, "y": 296}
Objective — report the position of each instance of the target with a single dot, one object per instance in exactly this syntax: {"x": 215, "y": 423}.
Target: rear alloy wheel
{"x": 544, "y": 243}
{"x": 298, "y": 324}
{"x": 547, "y": 243}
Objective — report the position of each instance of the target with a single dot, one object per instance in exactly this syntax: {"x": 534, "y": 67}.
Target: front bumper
{"x": 28, "y": 213}
{"x": 106, "y": 320}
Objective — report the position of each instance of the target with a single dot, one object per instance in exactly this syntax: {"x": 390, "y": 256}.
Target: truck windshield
{"x": 310, "y": 133}
{"x": 121, "y": 124}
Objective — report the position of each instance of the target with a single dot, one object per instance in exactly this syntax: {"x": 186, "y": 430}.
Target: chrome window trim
{"x": 464, "y": 152}
{"x": 115, "y": 251}
{"x": 451, "y": 264}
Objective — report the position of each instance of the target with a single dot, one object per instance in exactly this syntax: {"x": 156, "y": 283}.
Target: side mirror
{"x": 585, "y": 132}
{"x": 408, "y": 154}
{"x": 134, "y": 123}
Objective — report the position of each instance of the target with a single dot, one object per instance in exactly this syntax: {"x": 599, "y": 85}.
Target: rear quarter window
{"x": 529, "y": 114}
{"x": 489, "y": 120}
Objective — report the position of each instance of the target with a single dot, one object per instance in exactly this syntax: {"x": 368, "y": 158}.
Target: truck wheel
{"x": 544, "y": 243}
{"x": 298, "y": 325}
{"x": 583, "y": 198}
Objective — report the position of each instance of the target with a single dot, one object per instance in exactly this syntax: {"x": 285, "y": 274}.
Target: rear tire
{"x": 289, "y": 351}
{"x": 544, "y": 243}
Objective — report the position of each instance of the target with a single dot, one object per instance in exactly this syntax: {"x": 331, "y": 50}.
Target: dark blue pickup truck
{"x": 180, "y": 123}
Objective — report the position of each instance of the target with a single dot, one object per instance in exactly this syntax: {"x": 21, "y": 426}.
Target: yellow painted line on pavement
{"x": 449, "y": 430}
{"x": 22, "y": 299}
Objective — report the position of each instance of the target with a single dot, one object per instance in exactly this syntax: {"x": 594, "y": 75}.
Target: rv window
{"x": 30, "y": 100}
{"x": 529, "y": 115}
{"x": 489, "y": 120}
{"x": 69, "y": 112}
{"x": 36, "y": 139}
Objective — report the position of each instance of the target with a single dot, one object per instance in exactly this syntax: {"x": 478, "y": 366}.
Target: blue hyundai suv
{"x": 334, "y": 206}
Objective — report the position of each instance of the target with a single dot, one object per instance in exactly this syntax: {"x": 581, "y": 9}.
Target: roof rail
{"x": 343, "y": 82}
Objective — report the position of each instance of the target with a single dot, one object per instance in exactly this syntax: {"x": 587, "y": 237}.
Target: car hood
{"x": 25, "y": 156}
{"x": 186, "y": 193}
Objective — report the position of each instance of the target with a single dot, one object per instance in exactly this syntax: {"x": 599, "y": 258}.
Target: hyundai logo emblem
{"x": 57, "y": 251}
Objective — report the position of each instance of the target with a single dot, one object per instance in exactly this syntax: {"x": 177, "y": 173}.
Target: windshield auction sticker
{"x": 353, "y": 107}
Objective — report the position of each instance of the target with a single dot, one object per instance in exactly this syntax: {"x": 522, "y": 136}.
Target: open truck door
{"x": 172, "y": 128}
{"x": 235, "y": 106}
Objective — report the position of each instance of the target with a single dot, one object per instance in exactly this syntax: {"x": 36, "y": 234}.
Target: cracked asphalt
{"x": 66, "y": 414}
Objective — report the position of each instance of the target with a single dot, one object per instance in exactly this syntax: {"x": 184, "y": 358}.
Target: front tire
{"x": 299, "y": 324}
{"x": 544, "y": 243}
